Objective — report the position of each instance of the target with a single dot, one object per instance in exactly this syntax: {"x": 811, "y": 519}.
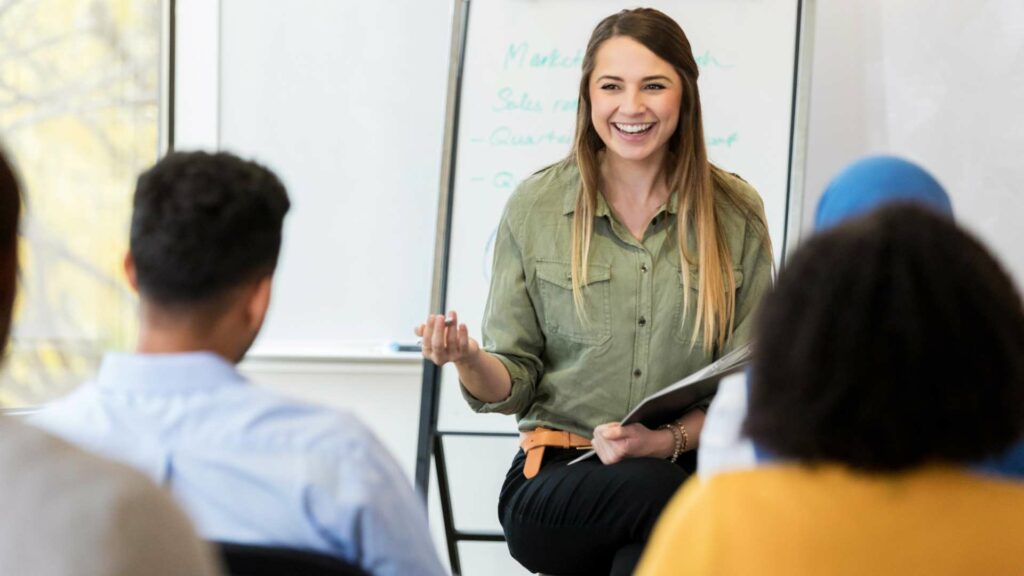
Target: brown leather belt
{"x": 534, "y": 442}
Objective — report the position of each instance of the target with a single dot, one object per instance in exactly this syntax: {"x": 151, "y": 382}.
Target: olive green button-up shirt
{"x": 575, "y": 374}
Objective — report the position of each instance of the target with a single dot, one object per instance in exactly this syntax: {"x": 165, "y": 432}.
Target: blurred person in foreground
{"x": 863, "y": 186}
{"x": 888, "y": 360}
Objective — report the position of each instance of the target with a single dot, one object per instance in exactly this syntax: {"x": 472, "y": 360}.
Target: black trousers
{"x": 587, "y": 518}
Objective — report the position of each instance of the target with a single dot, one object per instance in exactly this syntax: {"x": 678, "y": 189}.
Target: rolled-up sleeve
{"x": 511, "y": 331}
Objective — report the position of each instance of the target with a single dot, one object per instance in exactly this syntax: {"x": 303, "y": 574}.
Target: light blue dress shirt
{"x": 249, "y": 465}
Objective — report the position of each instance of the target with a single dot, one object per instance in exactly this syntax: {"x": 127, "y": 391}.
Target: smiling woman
{"x": 617, "y": 272}
{"x": 634, "y": 115}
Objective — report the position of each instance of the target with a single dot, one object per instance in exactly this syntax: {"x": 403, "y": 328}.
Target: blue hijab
{"x": 869, "y": 183}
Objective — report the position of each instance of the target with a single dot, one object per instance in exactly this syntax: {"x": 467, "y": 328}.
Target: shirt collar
{"x": 167, "y": 373}
{"x": 569, "y": 204}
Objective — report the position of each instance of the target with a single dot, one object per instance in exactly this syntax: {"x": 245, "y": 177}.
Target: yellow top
{"x": 828, "y": 520}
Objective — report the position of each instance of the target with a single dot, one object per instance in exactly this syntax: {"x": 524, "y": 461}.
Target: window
{"x": 79, "y": 118}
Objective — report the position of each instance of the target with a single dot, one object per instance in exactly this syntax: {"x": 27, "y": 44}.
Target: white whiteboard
{"x": 519, "y": 88}
{"x": 345, "y": 101}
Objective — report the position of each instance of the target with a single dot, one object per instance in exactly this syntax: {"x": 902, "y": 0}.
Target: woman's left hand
{"x": 614, "y": 442}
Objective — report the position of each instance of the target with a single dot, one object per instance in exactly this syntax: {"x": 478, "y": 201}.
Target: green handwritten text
{"x": 505, "y": 136}
{"x": 509, "y": 101}
{"x": 726, "y": 141}
{"x": 565, "y": 105}
{"x": 706, "y": 60}
{"x": 521, "y": 56}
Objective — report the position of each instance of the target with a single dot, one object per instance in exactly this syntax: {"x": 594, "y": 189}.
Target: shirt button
{"x": 643, "y": 267}
{"x": 643, "y": 321}
{"x": 637, "y": 373}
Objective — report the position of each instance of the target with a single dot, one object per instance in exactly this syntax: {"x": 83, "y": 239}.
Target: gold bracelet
{"x": 680, "y": 438}
{"x": 686, "y": 437}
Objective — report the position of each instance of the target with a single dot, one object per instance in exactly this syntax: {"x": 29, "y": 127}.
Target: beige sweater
{"x": 65, "y": 512}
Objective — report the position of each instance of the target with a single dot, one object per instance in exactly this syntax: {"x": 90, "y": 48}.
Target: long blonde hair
{"x": 687, "y": 171}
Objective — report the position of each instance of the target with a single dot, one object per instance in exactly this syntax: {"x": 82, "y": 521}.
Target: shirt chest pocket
{"x": 683, "y": 319}
{"x": 554, "y": 285}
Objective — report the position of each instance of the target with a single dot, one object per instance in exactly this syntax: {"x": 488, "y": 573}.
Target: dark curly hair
{"x": 889, "y": 342}
{"x": 203, "y": 224}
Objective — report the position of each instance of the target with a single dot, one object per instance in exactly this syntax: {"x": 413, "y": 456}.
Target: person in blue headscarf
{"x": 860, "y": 188}
{"x": 871, "y": 182}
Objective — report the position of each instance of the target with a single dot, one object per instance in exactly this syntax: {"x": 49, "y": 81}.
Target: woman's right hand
{"x": 445, "y": 340}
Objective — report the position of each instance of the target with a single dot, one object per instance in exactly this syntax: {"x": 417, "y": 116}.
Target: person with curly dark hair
{"x": 888, "y": 360}
{"x": 861, "y": 187}
{"x": 252, "y": 467}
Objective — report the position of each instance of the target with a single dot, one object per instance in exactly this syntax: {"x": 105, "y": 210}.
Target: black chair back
{"x": 254, "y": 560}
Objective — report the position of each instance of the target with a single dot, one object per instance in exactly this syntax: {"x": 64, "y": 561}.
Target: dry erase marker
{"x": 398, "y": 347}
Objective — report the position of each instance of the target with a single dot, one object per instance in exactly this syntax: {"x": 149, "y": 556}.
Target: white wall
{"x": 939, "y": 82}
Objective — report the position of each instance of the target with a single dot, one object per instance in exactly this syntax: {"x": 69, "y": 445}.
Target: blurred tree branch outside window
{"x": 79, "y": 115}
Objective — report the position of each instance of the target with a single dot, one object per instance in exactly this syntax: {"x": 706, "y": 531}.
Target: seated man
{"x": 250, "y": 466}
{"x": 69, "y": 513}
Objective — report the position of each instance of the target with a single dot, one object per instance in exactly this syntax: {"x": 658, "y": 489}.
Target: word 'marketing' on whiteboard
{"x": 520, "y": 56}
